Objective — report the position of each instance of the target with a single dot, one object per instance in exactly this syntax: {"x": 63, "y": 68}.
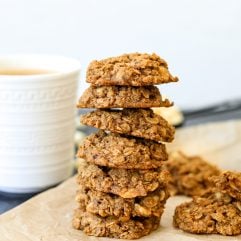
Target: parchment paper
{"x": 47, "y": 217}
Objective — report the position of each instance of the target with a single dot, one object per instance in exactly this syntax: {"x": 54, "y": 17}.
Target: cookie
{"x": 118, "y": 151}
{"x": 218, "y": 213}
{"x": 105, "y": 204}
{"x": 129, "y": 70}
{"x": 125, "y": 183}
{"x": 190, "y": 174}
{"x": 112, "y": 227}
{"x": 230, "y": 183}
{"x": 122, "y": 97}
{"x": 134, "y": 122}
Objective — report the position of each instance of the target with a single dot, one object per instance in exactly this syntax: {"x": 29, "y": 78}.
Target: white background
{"x": 201, "y": 40}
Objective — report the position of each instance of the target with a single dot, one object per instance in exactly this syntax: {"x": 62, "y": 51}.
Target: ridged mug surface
{"x": 37, "y": 122}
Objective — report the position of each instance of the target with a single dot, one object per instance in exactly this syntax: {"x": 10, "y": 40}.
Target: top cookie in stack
{"x": 130, "y": 70}
{"x": 123, "y": 187}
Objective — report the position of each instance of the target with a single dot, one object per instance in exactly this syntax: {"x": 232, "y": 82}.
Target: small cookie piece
{"x": 122, "y": 97}
{"x": 134, "y": 122}
{"x": 218, "y": 213}
{"x": 118, "y": 151}
{"x": 105, "y": 204}
{"x": 125, "y": 183}
{"x": 129, "y": 69}
{"x": 230, "y": 183}
{"x": 190, "y": 174}
{"x": 112, "y": 227}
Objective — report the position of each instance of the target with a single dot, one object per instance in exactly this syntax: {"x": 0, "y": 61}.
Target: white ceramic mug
{"x": 37, "y": 110}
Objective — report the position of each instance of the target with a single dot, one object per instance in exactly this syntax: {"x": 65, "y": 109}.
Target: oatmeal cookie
{"x": 122, "y": 97}
{"x": 218, "y": 213}
{"x": 105, "y": 204}
{"x": 190, "y": 174}
{"x": 112, "y": 227}
{"x": 114, "y": 150}
{"x": 134, "y": 122}
{"x": 130, "y": 69}
{"x": 230, "y": 183}
{"x": 125, "y": 183}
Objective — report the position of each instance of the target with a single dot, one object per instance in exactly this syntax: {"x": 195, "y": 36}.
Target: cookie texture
{"x": 229, "y": 183}
{"x": 125, "y": 183}
{"x": 122, "y": 97}
{"x": 118, "y": 151}
{"x": 134, "y": 69}
{"x": 105, "y": 204}
{"x": 112, "y": 227}
{"x": 218, "y": 213}
{"x": 142, "y": 123}
{"x": 190, "y": 175}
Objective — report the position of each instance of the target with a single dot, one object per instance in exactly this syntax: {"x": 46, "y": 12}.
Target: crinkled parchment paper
{"x": 47, "y": 217}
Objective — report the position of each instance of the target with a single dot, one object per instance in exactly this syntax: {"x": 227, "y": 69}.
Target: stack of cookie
{"x": 217, "y": 212}
{"x": 122, "y": 185}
